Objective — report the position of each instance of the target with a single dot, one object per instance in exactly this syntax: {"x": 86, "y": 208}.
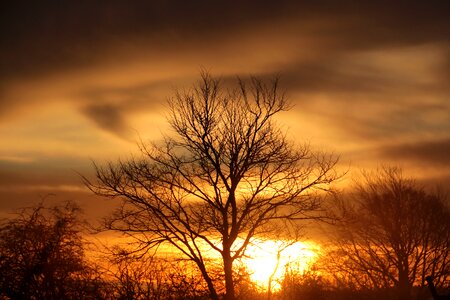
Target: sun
{"x": 263, "y": 264}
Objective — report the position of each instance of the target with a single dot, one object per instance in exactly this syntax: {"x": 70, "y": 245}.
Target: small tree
{"x": 226, "y": 176}
{"x": 392, "y": 234}
{"x": 42, "y": 256}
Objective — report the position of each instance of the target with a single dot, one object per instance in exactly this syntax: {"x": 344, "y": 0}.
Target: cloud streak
{"x": 435, "y": 152}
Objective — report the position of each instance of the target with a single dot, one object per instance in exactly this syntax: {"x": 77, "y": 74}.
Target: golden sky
{"x": 81, "y": 80}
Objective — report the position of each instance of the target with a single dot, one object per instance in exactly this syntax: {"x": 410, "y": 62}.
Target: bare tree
{"x": 225, "y": 175}
{"x": 392, "y": 234}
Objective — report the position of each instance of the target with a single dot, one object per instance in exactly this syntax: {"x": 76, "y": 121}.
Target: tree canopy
{"x": 392, "y": 233}
{"x": 42, "y": 255}
{"x": 225, "y": 174}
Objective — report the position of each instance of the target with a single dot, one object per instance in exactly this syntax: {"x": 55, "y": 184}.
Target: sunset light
{"x": 263, "y": 260}
{"x": 225, "y": 150}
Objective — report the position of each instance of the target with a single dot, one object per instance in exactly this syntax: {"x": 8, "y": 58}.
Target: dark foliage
{"x": 42, "y": 256}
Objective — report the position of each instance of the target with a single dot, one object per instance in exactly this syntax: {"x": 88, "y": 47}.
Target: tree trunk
{"x": 404, "y": 286}
{"x": 211, "y": 288}
{"x": 228, "y": 269}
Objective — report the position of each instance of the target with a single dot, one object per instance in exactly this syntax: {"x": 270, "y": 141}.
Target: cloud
{"x": 108, "y": 117}
{"x": 110, "y": 107}
{"x": 134, "y": 96}
{"x": 371, "y": 71}
{"x": 362, "y": 73}
{"x": 305, "y": 41}
{"x": 435, "y": 152}
{"x": 386, "y": 120}
{"x": 50, "y": 36}
{"x": 375, "y": 95}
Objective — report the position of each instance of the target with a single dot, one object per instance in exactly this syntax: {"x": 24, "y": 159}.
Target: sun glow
{"x": 263, "y": 262}
{"x": 261, "y": 258}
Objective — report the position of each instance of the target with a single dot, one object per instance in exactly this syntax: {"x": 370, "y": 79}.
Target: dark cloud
{"x": 41, "y": 36}
{"x": 62, "y": 170}
{"x": 134, "y": 97}
{"x": 388, "y": 120}
{"x": 109, "y": 107}
{"x": 24, "y": 182}
{"x": 325, "y": 76}
{"x": 45, "y": 36}
{"x": 346, "y": 72}
{"x": 109, "y": 117}
{"x": 422, "y": 153}
{"x": 94, "y": 208}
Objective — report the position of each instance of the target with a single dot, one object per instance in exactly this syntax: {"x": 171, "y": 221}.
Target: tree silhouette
{"x": 433, "y": 291}
{"x": 392, "y": 234}
{"x": 42, "y": 256}
{"x": 226, "y": 175}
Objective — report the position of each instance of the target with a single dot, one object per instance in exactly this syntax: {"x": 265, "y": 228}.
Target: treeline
{"x": 386, "y": 236}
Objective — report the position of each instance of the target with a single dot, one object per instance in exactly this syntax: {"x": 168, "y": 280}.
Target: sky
{"x": 84, "y": 80}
